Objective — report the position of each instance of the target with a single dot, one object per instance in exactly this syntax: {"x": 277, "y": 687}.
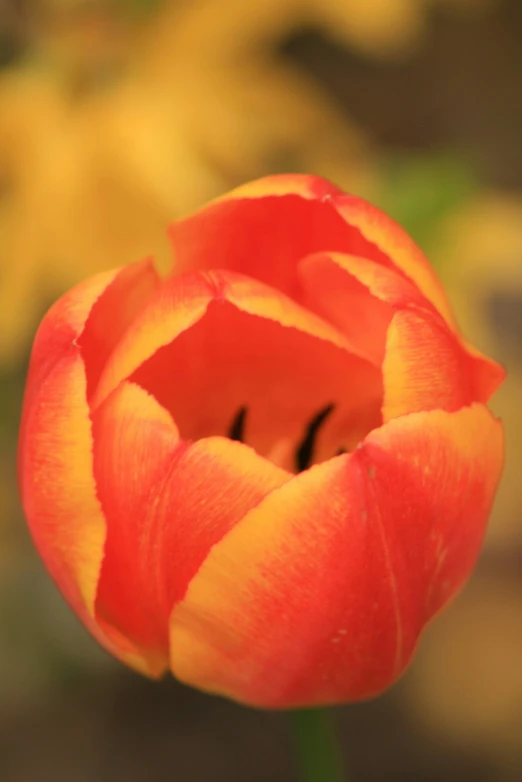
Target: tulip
{"x": 269, "y": 470}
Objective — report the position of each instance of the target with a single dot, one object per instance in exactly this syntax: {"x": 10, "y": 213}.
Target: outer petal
{"x": 55, "y": 456}
{"x": 167, "y": 503}
{"x": 358, "y": 296}
{"x": 306, "y": 186}
{"x": 176, "y": 306}
{"x": 262, "y": 229}
{"x": 319, "y": 594}
{"x": 426, "y": 365}
{"x": 377, "y": 227}
{"x": 112, "y": 314}
{"x": 135, "y": 443}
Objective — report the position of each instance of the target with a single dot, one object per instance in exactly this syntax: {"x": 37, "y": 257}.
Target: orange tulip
{"x": 268, "y": 471}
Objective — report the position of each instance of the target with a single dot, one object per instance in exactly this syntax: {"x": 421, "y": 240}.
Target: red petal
{"x": 426, "y": 365}
{"x": 320, "y": 593}
{"x": 358, "y": 296}
{"x": 55, "y": 456}
{"x": 209, "y": 343}
{"x": 393, "y": 241}
{"x": 135, "y": 443}
{"x": 112, "y": 313}
{"x": 264, "y": 228}
{"x": 167, "y": 503}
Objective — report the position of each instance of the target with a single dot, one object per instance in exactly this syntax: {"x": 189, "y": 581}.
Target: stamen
{"x": 237, "y": 427}
{"x": 305, "y": 452}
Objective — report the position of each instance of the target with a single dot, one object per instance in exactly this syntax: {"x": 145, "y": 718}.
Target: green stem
{"x": 319, "y": 751}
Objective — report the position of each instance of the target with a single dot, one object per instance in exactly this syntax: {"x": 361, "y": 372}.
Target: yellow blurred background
{"x": 117, "y": 117}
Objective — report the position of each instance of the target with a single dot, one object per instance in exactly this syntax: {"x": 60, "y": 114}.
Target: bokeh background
{"x": 118, "y": 116}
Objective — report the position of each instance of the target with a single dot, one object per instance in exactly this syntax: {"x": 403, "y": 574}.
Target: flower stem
{"x": 318, "y": 748}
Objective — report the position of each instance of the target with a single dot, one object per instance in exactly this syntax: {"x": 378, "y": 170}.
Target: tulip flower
{"x": 269, "y": 470}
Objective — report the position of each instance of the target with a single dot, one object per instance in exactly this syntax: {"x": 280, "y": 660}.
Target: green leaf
{"x": 420, "y": 191}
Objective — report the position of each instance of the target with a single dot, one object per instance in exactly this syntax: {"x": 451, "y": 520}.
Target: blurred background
{"x": 118, "y": 116}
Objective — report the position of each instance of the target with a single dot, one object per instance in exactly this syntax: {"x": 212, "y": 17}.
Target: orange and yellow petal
{"x": 254, "y": 348}
{"x": 135, "y": 442}
{"x": 306, "y": 186}
{"x": 319, "y": 594}
{"x": 129, "y": 291}
{"x": 61, "y": 328}
{"x": 439, "y": 489}
{"x": 425, "y": 364}
{"x": 55, "y": 391}
{"x": 392, "y": 240}
{"x": 488, "y": 374}
{"x": 167, "y": 502}
{"x": 210, "y": 343}
{"x": 426, "y": 367}
{"x": 263, "y": 229}
{"x": 55, "y": 462}
{"x": 182, "y": 301}
{"x": 358, "y": 296}
{"x": 177, "y": 305}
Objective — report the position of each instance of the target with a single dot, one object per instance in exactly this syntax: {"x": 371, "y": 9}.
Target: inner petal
{"x": 331, "y": 290}
{"x": 425, "y": 364}
{"x": 231, "y": 360}
{"x": 265, "y": 237}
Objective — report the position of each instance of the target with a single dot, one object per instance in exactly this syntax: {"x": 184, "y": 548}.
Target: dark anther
{"x": 237, "y": 427}
{"x": 305, "y": 452}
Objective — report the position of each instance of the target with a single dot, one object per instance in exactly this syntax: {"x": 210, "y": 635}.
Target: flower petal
{"x": 55, "y": 456}
{"x": 318, "y": 595}
{"x": 112, "y": 313}
{"x": 306, "y": 186}
{"x": 357, "y": 296}
{"x": 264, "y": 228}
{"x": 378, "y": 228}
{"x": 167, "y": 503}
{"x": 175, "y": 306}
{"x": 426, "y": 365}
{"x": 438, "y": 473}
{"x": 135, "y": 443}
{"x": 182, "y": 301}
{"x": 210, "y": 343}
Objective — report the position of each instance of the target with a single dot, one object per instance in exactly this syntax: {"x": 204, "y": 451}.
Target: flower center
{"x": 303, "y": 454}
{"x": 267, "y": 385}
